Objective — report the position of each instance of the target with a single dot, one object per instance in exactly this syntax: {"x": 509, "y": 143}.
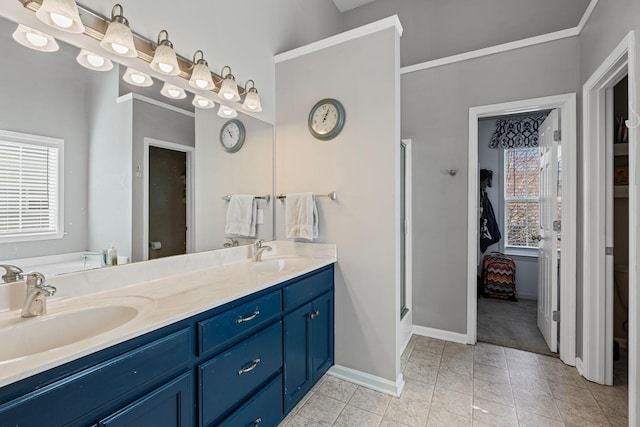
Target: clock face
{"x": 326, "y": 119}
{"x": 232, "y": 135}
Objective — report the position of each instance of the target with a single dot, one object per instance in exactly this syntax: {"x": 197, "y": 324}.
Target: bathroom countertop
{"x": 161, "y": 301}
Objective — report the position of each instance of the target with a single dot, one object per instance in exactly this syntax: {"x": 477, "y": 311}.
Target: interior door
{"x": 549, "y": 135}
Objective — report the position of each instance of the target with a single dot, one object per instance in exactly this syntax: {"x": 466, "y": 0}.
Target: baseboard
{"x": 579, "y": 366}
{"x": 405, "y": 343}
{"x": 440, "y": 334}
{"x": 367, "y": 380}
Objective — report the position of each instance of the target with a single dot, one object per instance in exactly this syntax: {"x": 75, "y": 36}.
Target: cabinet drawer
{"x": 307, "y": 289}
{"x": 99, "y": 386}
{"x": 232, "y": 375}
{"x": 220, "y": 330}
{"x": 263, "y": 410}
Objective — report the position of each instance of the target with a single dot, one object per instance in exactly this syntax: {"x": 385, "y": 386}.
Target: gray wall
{"x": 362, "y": 165}
{"x": 435, "y": 111}
{"x": 45, "y": 94}
{"x": 437, "y": 28}
{"x": 219, "y": 173}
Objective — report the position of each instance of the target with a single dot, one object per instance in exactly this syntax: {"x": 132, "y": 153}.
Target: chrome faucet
{"x": 37, "y": 292}
{"x": 259, "y": 248}
{"x": 13, "y": 273}
{"x": 232, "y": 243}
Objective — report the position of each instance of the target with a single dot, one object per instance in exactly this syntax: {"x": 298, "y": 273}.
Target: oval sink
{"x": 24, "y": 337}
{"x": 275, "y": 265}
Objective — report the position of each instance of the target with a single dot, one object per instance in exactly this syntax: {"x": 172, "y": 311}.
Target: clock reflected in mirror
{"x": 326, "y": 119}
{"x": 232, "y": 135}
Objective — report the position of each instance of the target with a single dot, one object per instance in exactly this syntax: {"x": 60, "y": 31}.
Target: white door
{"x": 549, "y": 133}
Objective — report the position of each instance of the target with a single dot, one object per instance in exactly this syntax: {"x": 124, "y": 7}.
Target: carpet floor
{"x": 511, "y": 324}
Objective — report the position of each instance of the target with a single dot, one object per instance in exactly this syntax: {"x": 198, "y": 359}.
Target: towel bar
{"x": 332, "y": 196}
{"x": 267, "y": 198}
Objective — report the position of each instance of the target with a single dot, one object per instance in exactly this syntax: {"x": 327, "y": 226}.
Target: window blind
{"x": 29, "y": 202}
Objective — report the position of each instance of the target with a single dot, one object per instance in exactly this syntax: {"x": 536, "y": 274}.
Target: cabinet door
{"x": 297, "y": 369}
{"x": 170, "y": 406}
{"x": 321, "y": 351}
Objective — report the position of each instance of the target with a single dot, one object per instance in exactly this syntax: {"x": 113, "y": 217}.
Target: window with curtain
{"x": 30, "y": 187}
{"x": 521, "y": 197}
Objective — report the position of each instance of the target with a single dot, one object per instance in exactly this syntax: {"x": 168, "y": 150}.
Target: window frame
{"x": 531, "y": 251}
{"x": 41, "y": 141}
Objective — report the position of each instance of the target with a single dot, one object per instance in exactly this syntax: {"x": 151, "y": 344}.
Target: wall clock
{"x": 232, "y": 135}
{"x": 326, "y": 119}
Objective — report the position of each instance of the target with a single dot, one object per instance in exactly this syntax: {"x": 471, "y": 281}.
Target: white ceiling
{"x": 344, "y": 5}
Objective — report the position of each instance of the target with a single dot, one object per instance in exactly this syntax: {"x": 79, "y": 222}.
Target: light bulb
{"x": 137, "y": 78}
{"x": 228, "y": 112}
{"x": 95, "y": 60}
{"x": 228, "y": 95}
{"x": 36, "y": 39}
{"x": 202, "y": 83}
{"x": 118, "y": 48}
{"x": 174, "y": 93}
{"x": 252, "y": 106}
{"x": 203, "y": 102}
{"x": 167, "y": 68}
{"x": 61, "y": 20}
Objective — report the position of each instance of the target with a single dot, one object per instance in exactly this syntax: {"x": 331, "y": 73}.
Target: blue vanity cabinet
{"x": 308, "y": 335}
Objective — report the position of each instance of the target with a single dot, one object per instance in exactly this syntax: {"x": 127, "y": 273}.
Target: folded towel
{"x": 241, "y": 215}
{"x": 301, "y": 216}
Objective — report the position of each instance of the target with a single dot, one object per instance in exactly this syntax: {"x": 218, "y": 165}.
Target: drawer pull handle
{"x": 314, "y": 315}
{"x": 249, "y": 317}
{"x": 257, "y": 422}
{"x": 249, "y": 368}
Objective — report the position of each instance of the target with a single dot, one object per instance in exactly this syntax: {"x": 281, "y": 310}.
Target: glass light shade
{"x": 165, "y": 61}
{"x": 119, "y": 40}
{"x": 61, "y": 14}
{"x": 34, "y": 39}
{"x": 252, "y": 101}
{"x": 137, "y": 78}
{"x": 202, "y": 102}
{"x": 229, "y": 89}
{"x": 93, "y": 61}
{"x": 227, "y": 112}
{"x": 173, "y": 92}
{"x": 201, "y": 77}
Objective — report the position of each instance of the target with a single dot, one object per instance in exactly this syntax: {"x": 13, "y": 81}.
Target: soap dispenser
{"x": 112, "y": 256}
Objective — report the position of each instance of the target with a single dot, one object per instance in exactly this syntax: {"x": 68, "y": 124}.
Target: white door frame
{"x": 566, "y": 103}
{"x": 406, "y": 323}
{"x": 597, "y": 315}
{"x": 190, "y": 151}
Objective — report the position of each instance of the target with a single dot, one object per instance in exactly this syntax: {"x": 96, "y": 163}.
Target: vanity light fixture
{"x": 61, "y": 14}
{"x": 93, "y": 61}
{"x": 229, "y": 89}
{"x": 201, "y": 75}
{"x": 34, "y": 39}
{"x": 227, "y": 112}
{"x": 202, "y": 102}
{"x": 137, "y": 78}
{"x": 164, "y": 59}
{"x": 118, "y": 38}
{"x": 173, "y": 92}
{"x": 252, "y": 99}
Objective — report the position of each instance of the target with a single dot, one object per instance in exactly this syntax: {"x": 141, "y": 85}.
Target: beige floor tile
{"x": 607, "y": 389}
{"x": 412, "y": 407}
{"x": 495, "y": 360}
{"x": 457, "y": 351}
{"x": 391, "y": 423}
{"x": 581, "y": 415}
{"x": 493, "y": 414}
{"x": 370, "y": 400}
{"x": 451, "y": 401}
{"x": 431, "y": 345}
{"x": 441, "y": 418}
{"x": 529, "y": 419}
{"x": 540, "y": 405}
{"x": 528, "y": 371}
{"x": 617, "y": 421}
{"x": 337, "y": 389}
{"x": 570, "y": 393}
{"x": 426, "y": 357}
{"x": 458, "y": 366}
{"x": 456, "y": 382}
{"x": 298, "y": 421}
{"x": 321, "y": 409}
{"x": 495, "y": 392}
{"x": 531, "y": 385}
{"x": 356, "y": 417}
{"x": 421, "y": 371}
{"x": 613, "y": 406}
{"x": 489, "y": 373}
{"x": 513, "y": 354}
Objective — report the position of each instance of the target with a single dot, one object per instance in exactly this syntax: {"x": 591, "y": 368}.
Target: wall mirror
{"x": 126, "y": 149}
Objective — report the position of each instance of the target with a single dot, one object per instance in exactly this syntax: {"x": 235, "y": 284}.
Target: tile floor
{"x": 449, "y": 384}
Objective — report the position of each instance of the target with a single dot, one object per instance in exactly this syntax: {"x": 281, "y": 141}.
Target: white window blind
{"x": 30, "y": 187}
{"x": 521, "y": 196}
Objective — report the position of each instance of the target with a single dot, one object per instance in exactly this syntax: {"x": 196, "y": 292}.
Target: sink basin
{"x": 24, "y": 337}
{"x": 275, "y": 265}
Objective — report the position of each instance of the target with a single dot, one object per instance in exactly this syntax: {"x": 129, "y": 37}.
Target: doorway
{"x": 406, "y": 321}
{"x": 566, "y": 104}
{"x": 167, "y": 188}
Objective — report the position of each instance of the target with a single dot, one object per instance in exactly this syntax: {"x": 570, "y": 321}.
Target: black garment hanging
{"x": 489, "y": 231}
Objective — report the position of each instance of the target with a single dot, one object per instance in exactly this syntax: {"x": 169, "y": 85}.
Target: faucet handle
{"x": 13, "y": 273}
{"x": 35, "y": 280}
{"x": 259, "y": 243}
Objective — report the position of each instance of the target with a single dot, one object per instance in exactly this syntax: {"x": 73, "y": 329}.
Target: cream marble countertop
{"x": 212, "y": 279}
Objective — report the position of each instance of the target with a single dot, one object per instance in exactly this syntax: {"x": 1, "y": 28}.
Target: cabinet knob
{"x": 249, "y": 368}
{"x": 257, "y": 422}
{"x": 314, "y": 315}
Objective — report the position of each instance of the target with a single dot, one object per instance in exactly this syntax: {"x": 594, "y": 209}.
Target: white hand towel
{"x": 301, "y": 216}
{"x": 241, "y": 215}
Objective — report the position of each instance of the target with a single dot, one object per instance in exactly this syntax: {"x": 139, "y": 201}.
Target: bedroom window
{"x": 30, "y": 187}
{"x": 521, "y": 197}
